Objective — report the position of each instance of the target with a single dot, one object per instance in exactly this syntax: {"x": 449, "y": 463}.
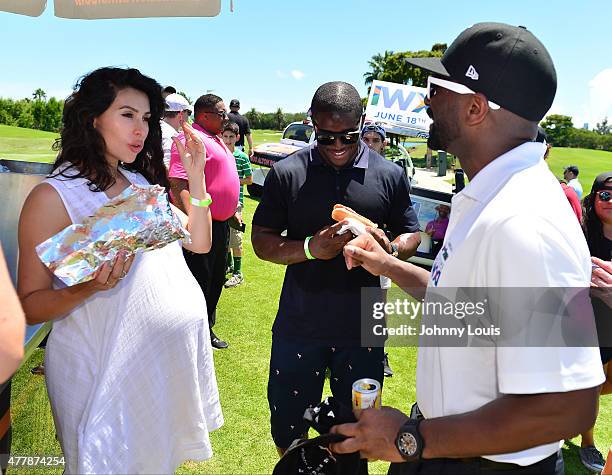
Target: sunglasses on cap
{"x": 433, "y": 83}
{"x": 604, "y": 195}
{"x": 325, "y": 137}
{"x": 374, "y": 128}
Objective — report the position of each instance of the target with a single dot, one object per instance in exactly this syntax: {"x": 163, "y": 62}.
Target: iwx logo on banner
{"x": 412, "y": 102}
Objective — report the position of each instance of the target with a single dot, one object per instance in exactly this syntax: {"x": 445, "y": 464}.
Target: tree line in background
{"x": 41, "y": 113}
{"x": 392, "y": 67}
{"x": 35, "y": 113}
{"x": 562, "y": 133}
{"x": 273, "y": 120}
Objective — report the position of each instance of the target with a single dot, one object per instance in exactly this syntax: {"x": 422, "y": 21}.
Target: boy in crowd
{"x": 375, "y": 137}
{"x": 570, "y": 174}
{"x": 230, "y": 136}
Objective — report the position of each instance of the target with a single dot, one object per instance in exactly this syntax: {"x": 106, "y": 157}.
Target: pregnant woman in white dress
{"x": 129, "y": 365}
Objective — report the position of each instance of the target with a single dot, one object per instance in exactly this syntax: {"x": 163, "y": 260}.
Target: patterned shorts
{"x": 297, "y": 375}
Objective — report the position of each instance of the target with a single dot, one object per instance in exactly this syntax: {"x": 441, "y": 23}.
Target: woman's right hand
{"x": 192, "y": 154}
{"x": 111, "y": 273}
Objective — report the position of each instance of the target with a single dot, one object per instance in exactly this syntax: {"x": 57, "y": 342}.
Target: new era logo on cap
{"x": 472, "y": 73}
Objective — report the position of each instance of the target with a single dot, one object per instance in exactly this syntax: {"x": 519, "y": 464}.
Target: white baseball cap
{"x": 177, "y": 103}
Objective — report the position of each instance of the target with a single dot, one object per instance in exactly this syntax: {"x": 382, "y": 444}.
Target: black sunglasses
{"x": 223, "y": 114}
{"x": 329, "y": 138}
{"x": 604, "y": 195}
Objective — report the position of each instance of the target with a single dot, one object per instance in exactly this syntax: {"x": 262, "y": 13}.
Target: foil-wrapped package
{"x": 137, "y": 220}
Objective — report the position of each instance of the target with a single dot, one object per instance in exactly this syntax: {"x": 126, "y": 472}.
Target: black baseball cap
{"x": 602, "y": 182}
{"x": 234, "y": 103}
{"x": 506, "y": 63}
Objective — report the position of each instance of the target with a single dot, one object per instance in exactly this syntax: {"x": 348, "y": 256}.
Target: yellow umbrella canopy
{"x": 93, "y": 9}
{"x": 23, "y": 7}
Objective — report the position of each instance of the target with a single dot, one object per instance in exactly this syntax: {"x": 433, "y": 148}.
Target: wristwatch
{"x": 409, "y": 442}
{"x": 394, "y": 249}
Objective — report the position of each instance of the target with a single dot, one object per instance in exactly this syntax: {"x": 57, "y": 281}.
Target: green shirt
{"x": 243, "y": 165}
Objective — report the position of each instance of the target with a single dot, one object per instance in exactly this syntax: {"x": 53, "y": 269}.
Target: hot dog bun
{"x": 341, "y": 212}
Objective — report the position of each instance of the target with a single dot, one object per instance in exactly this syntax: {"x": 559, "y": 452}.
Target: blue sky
{"x": 273, "y": 53}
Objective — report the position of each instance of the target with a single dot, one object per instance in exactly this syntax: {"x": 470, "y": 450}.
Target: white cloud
{"x": 297, "y": 74}
{"x": 294, "y": 73}
{"x": 600, "y": 97}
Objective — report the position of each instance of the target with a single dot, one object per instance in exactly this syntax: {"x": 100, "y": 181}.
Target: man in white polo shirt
{"x": 496, "y": 408}
{"x": 177, "y": 112}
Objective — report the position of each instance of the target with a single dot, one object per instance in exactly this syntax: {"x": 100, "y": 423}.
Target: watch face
{"x": 408, "y": 444}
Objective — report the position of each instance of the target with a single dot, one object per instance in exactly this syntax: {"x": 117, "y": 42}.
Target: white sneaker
{"x": 233, "y": 281}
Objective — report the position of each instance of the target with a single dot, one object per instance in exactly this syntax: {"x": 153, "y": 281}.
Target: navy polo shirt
{"x": 321, "y": 300}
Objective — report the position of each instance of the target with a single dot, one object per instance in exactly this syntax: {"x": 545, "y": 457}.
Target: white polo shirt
{"x": 167, "y": 133}
{"x": 575, "y": 184}
{"x": 511, "y": 226}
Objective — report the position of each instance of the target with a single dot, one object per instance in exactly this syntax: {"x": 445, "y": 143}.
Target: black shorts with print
{"x": 297, "y": 374}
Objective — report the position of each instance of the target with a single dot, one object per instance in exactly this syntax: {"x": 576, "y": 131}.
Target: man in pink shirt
{"x": 223, "y": 185}
{"x": 436, "y": 228}
{"x": 574, "y": 202}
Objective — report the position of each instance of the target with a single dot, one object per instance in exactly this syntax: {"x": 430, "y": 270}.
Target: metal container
{"x": 14, "y": 189}
{"x": 29, "y": 168}
{"x": 366, "y": 394}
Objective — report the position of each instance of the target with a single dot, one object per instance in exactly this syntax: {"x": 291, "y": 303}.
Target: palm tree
{"x": 253, "y": 117}
{"x": 279, "y": 118}
{"x": 377, "y": 67}
{"x": 39, "y": 95}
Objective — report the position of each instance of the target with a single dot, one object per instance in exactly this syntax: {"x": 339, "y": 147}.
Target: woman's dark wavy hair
{"x": 593, "y": 227}
{"x": 80, "y": 144}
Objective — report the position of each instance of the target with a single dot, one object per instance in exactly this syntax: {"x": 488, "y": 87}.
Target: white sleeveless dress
{"x": 130, "y": 372}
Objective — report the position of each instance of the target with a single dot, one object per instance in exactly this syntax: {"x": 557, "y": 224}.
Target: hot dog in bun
{"x": 341, "y": 212}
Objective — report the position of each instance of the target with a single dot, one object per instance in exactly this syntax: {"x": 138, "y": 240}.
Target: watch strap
{"x": 411, "y": 427}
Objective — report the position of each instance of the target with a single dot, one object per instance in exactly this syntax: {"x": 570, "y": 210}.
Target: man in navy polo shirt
{"x": 318, "y": 321}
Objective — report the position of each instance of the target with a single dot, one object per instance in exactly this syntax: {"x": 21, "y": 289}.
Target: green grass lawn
{"x": 243, "y": 444}
{"x": 245, "y": 316}
{"x": 26, "y": 144}
{"x": 265, "y": 136}
{"x": 589, "y": 162}
{"x": 32, "y": 145}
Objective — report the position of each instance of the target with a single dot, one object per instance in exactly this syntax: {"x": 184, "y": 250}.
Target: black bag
{"x": 312, "y": 456}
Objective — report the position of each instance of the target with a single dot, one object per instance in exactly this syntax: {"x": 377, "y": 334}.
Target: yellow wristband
{"x": 309, "y": 256}
{"x": 201, "y": 203}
